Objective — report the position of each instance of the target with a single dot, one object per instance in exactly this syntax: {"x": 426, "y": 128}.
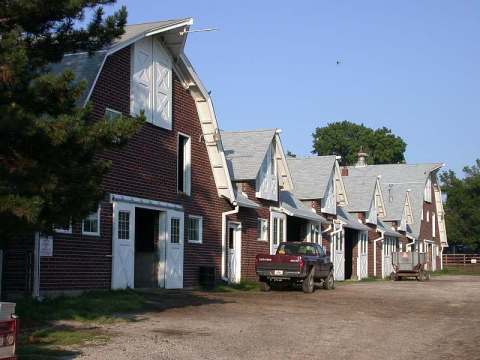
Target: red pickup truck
{"x": 295, "y": 263}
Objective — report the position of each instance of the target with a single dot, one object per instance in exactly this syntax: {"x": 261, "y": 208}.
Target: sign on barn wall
{"x": 46, "y": 245}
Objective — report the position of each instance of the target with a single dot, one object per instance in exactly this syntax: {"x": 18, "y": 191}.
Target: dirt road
{"x": 439, "y": 319}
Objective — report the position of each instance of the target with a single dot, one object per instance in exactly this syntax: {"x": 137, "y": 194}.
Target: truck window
{"x": 297, "y": 249}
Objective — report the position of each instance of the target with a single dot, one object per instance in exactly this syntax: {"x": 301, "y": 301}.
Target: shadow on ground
{"x": 58, "y": 328}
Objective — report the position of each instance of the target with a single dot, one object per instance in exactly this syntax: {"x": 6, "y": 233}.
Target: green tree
{"x": 346, "y": 139}
{"x": 462, "y": 206}
{"x": 49, "y": 169}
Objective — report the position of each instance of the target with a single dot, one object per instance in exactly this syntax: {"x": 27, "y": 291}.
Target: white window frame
{"x": 434, "y": 229}
{"x": 63, "y": 231}
{"x": 264, "y": 230}
{"x": 428, "y": 190}
{"x": 200, "y": 229}
{"x": 187, "y": 164}
{"x": 113, "y": 111}
{"x": 96, "y": 233}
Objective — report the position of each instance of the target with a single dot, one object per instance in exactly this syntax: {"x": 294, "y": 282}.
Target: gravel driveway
{"x": 439, "y": 319}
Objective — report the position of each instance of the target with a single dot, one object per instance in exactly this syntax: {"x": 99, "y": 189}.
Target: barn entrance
{"x": 351, "y": 237}
{"x": 149, "y": 255}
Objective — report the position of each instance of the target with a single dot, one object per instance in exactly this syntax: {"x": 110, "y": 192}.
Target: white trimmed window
{"x": 63, "y": 229}
{"x": 175, "y": 231}
{"x": 112, "y": 115}
{"x": 91, "y": 224}
{"x": 315, "y": 233}
{"x": 262, "y": 229}
{"x": 434, "y": 230}
{"x": 183, "y": 164}
{"x": 195, "y": 229}
{"x": 428, "y": 191}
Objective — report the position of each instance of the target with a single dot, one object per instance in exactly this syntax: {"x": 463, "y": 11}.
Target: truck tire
{"x": 265, "y": 286}
{"x": 308, "y": 285}
{"x": 329, "y": 282}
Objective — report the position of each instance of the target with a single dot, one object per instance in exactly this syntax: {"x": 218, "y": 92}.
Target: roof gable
{"x": 245, "y": 151}
{"x": 361, "y": 192}
{"x": 311, "y": 175}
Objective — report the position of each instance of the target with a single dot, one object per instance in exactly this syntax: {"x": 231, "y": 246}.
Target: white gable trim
{"x": 283, "y": 160}
{"x": 338, "y": 178}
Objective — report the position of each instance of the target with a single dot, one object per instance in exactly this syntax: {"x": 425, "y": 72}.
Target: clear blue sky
{"x": 412, "y": 66}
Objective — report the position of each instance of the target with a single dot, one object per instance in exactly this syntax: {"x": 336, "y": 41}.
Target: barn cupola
{"x": 361, "y": 158}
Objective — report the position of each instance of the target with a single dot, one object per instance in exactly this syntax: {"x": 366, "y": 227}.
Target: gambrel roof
{"x": 173, "y": 36}
{"x": 361, "y": 192}
{"x": 245, "y": 151}
{"x": 86, "y": 67}
{"x": 311, "y": 175}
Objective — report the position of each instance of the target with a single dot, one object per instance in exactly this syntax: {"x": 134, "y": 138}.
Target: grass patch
{"x": 456, "y": 271}
{"x": 100, "y": 306}
{"x": 43, "y": 338}
{"x": 244, "y": 285}
{"x": 50, "y": 343}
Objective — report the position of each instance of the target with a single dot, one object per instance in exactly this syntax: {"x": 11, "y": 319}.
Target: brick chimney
{"x": 362, "y": 158}
{"x": 344, "y": 171}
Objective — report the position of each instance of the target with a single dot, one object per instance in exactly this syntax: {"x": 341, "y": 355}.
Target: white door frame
{"x": 237, "y": 246}
{"x": 166, "y": 211}
{"x": 362, "y": 256}
{"x": 337, "y": 257}
{"x": 174, "y": 252}
{"x": 123, "y": 274}
{"x": 281, "y": 216}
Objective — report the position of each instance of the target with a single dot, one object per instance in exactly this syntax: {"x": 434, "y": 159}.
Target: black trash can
{"x": 206, "y": 277}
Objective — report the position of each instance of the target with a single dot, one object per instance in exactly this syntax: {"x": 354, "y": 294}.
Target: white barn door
{"x": 123, "y": 246}
{"x": 142, "y": 74}
{"x": 174, "y": 251}
{"x": 388, "y": 245}
{"x": 362, "y": 268}
{"x": 338, "y": 255}
{"x": 278, "y": 230}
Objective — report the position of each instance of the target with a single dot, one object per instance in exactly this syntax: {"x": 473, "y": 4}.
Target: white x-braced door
{"x": 388, "y": 248}
{"x": 362, "y": 255}
{"x": 123, "y": 246}
{"x": 174, "y": 251}
{"x": 278, "y": 230}
{"x": 338, "y": 255}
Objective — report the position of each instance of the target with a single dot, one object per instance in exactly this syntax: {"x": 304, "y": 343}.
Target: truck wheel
{"x": 308, "y": 285}
{"x": 329, "y": 282}
{"x": 265, "y": 286}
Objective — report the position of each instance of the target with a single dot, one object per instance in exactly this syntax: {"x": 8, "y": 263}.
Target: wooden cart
{"x": 409, "y": 264}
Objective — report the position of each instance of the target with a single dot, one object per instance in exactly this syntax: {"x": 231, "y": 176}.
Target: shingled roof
{"x": 245, "y": 151}
{"x": 396, "y": 180}
{"x": 311, "y": 175}
{"x": 85, "y": 67}
{"x": 360, "y": 190}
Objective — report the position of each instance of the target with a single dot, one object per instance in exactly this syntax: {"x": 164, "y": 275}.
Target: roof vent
{"x": 362, "y": 158}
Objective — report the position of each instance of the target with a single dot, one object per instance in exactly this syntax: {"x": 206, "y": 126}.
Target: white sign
{"x": 474, "y": 261}
{"x": 46, "y": 245}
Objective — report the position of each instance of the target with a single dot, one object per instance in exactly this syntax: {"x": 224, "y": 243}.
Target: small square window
{"x": 63, "y": 229}
{"x": 112, "y": 115}
{"x": 91, "y": 224}
{"x": 262, "y": 229}
{"x": 195, "y": 229}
